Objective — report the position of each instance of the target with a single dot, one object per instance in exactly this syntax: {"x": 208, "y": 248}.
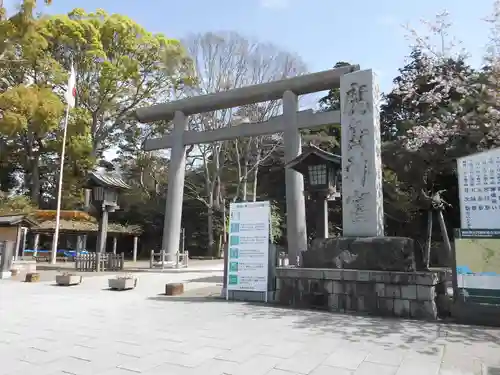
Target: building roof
{"x": 11, "y": 220}
{"x": 81, "y": 227}
{"x": 43, "y": 221}
{"x": 312, "y": 152}
{"x": 106, "y": 179}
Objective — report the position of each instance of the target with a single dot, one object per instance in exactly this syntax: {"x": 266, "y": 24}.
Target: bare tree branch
{"x": 224, "y": 61}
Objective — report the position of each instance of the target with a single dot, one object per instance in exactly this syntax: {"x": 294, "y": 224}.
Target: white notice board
{"x": 479, "y": 189}
{"x": 248, "y": 255}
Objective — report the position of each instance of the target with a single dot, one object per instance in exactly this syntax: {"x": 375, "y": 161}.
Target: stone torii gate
{"x": 361, "y": 160}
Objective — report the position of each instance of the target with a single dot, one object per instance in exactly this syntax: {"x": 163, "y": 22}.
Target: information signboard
{"x": 477, "y": 255}
{"x": 479, "y": 189}
{"x": 248, "y": 256}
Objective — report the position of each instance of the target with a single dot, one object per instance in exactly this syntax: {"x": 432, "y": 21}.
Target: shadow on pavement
{"x": 189, "y": 299}
{"x": 358, "y": 328}
{"x": 210, "y": 279}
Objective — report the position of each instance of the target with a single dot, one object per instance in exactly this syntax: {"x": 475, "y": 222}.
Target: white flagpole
{"x": 55, "y": 238}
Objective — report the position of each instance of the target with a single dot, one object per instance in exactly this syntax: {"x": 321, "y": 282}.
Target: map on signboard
{"x": 479, "y": 190}
{"x": 478, "y": 264}
{"x": 478, "y": 254}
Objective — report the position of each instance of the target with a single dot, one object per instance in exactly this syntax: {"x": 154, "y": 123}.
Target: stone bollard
{"x": 7, "y": 250}
{"x": 32, "y": 277}
{"x": 174, "y": 289}
{"x": 14, "y": 272}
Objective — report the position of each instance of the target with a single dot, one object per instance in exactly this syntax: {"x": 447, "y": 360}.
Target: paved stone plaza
{"x": 87, "y": 329}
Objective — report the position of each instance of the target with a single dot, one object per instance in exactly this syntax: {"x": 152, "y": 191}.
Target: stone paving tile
{"x": 143, "y": 364}
{"x": 329, "y": 370}
{"x": 384, "y": 356}
{"x": 348, "y": 358}
{"x": 257, "y": 365}
{"x": 213, "y": 367}
{"x": 302, "y": 363}
{"x": 240, "y": 354}
{"x": 181, "y": 359}
{"x": 457, "y": 372}
{"x": 164, "y": 369}
{"x": 418, "y": 367}
{"x": 70, "y": 365}
{"x": 11, "y": 365}
{"x": 326, "y": 344}
{"x": 368, "y": 368}
{"x": 283, "y": 350}
{"x": 87, "y": 330}
{"x": 461, "y": 364}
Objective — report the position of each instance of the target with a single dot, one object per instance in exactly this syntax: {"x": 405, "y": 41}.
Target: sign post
{"x": 248, "y": 248}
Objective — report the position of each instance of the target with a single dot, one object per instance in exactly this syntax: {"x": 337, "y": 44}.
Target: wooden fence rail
{"x": 99, "y": 262}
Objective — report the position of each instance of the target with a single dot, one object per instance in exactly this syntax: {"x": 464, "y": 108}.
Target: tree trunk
{"x": 210, "y": 230}
{"x": 255, "y": 177}
{"x": 254, "y": 185}
{"x": 35, "y": 180}
{"x": 244, "y": 190}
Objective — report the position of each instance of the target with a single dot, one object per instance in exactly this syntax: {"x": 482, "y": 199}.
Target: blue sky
{"x": 322, "y": 32}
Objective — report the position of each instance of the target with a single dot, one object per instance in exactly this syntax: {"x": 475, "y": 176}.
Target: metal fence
{"x": 95, "y": 262}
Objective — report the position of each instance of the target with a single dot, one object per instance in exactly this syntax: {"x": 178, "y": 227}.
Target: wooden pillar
{"x": 23, "y": 239}
{"x": 115, "y": 244}
{"x": 103, "y": 232}
{"x": 134, "y": 254}
{"x": 18, "y": 243}
{"x": 36, "y": 243}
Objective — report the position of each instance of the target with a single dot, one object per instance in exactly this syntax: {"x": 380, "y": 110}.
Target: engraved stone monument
{"x": 362, "y": 200}
{"x": 363, "y": 245}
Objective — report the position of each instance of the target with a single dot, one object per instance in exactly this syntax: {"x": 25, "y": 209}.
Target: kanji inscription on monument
{"x": 362, "y": 199}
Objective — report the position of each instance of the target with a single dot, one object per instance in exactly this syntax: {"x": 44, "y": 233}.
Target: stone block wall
{"x": 384, "y": 293}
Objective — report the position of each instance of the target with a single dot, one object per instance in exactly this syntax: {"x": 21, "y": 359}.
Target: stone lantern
{"x": 105, "y": 186}
{"x": 322, "y": 180}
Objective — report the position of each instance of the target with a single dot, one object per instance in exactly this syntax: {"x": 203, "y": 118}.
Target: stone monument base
{"x": 366, "y": 253}
{"x": 383, "y": 293}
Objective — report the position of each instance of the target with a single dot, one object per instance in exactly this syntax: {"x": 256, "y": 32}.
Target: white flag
{"x": 70, "y": 94}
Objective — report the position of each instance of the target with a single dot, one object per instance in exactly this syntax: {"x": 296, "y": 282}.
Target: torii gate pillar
{"x": 175, "y": 192}
{"x": 296, "y": 227}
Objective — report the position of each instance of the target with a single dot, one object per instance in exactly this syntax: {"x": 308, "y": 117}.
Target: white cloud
{"x": 274, "y": 4}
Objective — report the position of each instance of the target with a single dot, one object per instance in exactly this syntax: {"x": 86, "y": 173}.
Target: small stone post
{"x": 134, "y": 253}
{"x": 6, "y": 259}
{"x": 115, "y": 244}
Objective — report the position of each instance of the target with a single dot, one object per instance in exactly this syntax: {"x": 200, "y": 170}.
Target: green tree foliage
{"x": 30, "y": 115}
{"x": 120, "y": 66}
{"x": 327, "y": 137}
{"x": 17, "y": 204}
